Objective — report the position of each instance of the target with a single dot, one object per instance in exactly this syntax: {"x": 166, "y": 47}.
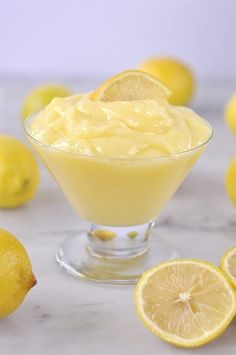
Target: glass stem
{"x": 119, "y": 242}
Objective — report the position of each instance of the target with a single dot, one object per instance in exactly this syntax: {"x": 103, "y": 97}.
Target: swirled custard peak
{"x": 118, "y": 129}
{"x": 127, "y": 117}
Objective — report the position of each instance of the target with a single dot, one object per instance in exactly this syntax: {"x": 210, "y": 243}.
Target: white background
{"x": 98, "y": 37}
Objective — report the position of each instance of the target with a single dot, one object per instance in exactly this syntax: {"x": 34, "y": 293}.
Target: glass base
{"x": 78, "y": 259}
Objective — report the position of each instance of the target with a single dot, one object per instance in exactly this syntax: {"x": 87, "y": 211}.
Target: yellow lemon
{"x": 37, "y": 99}
{"x": 230, "y": 181}
{"x": 175, "y": 75}
{"x": 228, "y": 264}
{"x": 186, "y": 302}
{"x": 230, "y": 113}
{"x": 19, "y": 175}
{"x": 131, "y": 85}
{"x": 16, "y": 277}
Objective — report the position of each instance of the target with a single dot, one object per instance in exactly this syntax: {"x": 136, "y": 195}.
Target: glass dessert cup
{"x": 121, "y": 199}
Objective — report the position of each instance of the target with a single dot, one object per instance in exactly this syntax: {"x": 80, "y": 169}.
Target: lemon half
{"x": 185, "y": 302}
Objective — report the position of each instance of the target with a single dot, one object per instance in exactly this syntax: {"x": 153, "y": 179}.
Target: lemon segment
{"x": 228, "y": 265}
{"x": 230, "y": 181}
{"x": 175, "y": 74}
{"x": 185, "y": 302}
{"x": 131, "y": 85}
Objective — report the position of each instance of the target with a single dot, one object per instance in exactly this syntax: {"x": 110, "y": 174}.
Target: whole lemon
{"x": 16, "y": 277}
{"x": 41, "y": 96}
{"x": 230, "y": 181}
{"x": 230, "y": 113}
{"x": 175, "y": 75}
{"x": 19, "y": 174}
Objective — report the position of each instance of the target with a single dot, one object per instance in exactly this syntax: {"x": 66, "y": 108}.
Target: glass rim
{"x": 79, "y": 155}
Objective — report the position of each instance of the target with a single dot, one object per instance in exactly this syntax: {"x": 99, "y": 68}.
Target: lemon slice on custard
{"x": 185, "y": 302}
{"x": 131, "y": 85}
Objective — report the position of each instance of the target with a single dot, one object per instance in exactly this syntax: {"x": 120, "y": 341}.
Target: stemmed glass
{"x": 121, "y": 200}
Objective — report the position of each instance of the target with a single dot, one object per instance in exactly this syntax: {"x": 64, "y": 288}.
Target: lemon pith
{"x": 228, "y": 265}
{"x": 185, "y": 302}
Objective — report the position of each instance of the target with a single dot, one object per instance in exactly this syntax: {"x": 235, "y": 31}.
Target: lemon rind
{"x": 224, "y": 265}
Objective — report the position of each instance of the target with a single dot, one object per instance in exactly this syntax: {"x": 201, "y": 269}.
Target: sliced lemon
{"x": 228, "y": 264}
{"x": 131, "y": 85}
{"x": 185, "y": 302}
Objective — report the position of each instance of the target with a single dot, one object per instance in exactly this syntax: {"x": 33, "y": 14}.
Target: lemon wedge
{"x": 185, "y": 302}
{"x": 131, "y": 85}
{"x": 228, "y": 264}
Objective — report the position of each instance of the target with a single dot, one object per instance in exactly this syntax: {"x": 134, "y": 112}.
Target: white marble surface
{"x": 67, "y": 316}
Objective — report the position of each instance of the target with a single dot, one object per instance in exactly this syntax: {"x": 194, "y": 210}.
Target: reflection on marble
{"x": 66, "y": 316}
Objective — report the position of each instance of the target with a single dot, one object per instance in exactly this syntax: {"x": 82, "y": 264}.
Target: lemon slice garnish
{"x": 185, "y": 302}
{"x": 131, "y": 85}
{"x": 228, "y": 264}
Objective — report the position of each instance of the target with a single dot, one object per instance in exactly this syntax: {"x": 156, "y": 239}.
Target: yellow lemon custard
{"x": 118, "y": 162}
